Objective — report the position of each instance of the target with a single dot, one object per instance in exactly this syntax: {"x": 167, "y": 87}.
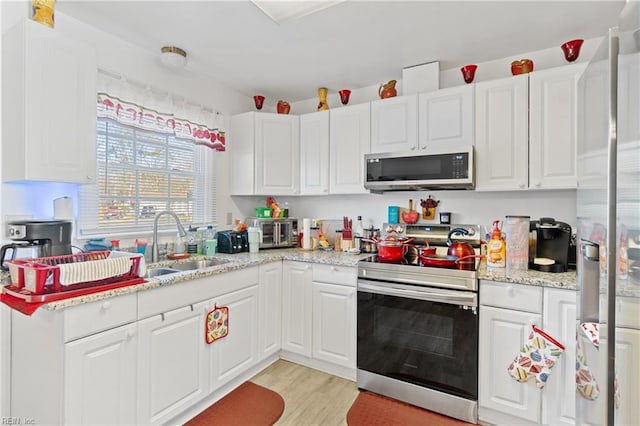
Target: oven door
{"x": 421, "y": 335}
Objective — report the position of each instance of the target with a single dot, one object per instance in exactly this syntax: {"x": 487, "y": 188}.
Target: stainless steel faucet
{"x": 154, "y": 246}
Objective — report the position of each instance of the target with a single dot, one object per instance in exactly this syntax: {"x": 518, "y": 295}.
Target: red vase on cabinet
{"x": 283, "y": 107}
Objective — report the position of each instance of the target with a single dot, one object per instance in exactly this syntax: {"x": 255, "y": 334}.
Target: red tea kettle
{"x": 459, "y": 249}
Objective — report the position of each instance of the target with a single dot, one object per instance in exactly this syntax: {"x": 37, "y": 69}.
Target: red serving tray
{"x": 50, "y": 295}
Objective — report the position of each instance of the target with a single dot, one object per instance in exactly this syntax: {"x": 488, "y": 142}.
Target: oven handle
{"x": 432, "y": 295}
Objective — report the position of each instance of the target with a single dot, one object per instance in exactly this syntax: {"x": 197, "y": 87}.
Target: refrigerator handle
{"x": 589, "y": 282}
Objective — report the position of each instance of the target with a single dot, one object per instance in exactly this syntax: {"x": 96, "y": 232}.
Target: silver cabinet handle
{"x": 590, "y": 250}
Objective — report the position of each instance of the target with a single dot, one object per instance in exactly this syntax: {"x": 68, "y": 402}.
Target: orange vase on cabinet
{"x": 388, "y": 90}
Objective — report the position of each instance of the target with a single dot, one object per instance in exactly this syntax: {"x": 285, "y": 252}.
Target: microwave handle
{"x": 276, "y": 233}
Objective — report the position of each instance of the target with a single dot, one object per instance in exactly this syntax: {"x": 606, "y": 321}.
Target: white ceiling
{"x": 350, "y": 45}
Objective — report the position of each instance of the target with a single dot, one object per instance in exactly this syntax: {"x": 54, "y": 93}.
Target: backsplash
{"x": 468, "y": 207}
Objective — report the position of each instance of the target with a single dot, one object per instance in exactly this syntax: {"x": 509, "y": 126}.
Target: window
{"x": 141, "y": 173}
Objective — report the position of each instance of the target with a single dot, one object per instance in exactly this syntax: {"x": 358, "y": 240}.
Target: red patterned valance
{"x": 145, "y": 118}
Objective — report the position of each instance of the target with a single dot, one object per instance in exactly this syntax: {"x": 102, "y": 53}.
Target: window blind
{"x": 141, "y": 173}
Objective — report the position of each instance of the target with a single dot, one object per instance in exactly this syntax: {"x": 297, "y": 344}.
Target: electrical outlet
{"x": 229, "y": 218}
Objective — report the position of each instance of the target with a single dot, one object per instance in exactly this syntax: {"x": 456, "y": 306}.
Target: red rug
{"x": 370, "y": 409}
{"x": 247, "y": 405}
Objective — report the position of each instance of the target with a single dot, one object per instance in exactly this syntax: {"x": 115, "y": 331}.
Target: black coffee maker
{"x": 552, "y": 240}
{"x": 37, "y": 238}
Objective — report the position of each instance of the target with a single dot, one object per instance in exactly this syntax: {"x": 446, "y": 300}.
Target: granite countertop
{"x": 566, "y": 280}
{"x": 235, "y": 262}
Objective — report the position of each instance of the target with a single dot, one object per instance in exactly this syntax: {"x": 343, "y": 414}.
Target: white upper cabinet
{"x": 314, "y": 153}
{"x": 553, "y": 104}
{"x": 502, "y": 134}
{"x": 349, "y": 136}
{"x": 264, "y": 151}
{"x": 394, "y": 124}
{"x": 446, "y": 118}
{"x": 49, "y": 106}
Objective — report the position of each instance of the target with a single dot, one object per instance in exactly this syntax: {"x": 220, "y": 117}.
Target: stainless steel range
{"x": 418, "y": 327}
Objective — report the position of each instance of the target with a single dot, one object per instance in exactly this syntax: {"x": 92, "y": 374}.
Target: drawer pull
{"x": 130, "y": 334}
{"x": 511, "y": 291}
{"x": 333, "y": 268}
{"x": 106, "y": 306}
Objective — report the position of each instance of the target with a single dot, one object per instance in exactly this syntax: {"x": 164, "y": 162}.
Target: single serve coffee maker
{"x": 34, "y": 239}
{"x": 552, "y": 240}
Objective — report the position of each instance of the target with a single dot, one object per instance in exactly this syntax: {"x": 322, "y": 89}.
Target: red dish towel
{"x": 19, "y": 304}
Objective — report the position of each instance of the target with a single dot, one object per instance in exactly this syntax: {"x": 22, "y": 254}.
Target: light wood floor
{"x": 310, "y": 397}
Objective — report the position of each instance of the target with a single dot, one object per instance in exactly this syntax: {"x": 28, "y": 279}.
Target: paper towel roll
{"x": 306, "y": 234}
{"x": 63, "y": 208}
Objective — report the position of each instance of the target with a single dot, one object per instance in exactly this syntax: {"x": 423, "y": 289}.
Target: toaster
{"x": 232, "y": 242}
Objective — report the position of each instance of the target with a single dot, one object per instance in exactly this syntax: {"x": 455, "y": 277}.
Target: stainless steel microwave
{"x": 276, "y": 233}
{"x": 411, "y": 171}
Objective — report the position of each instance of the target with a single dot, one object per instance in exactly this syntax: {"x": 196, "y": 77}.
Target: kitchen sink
{"x": 197, "y": 264}
{"x": 156, "y": 272}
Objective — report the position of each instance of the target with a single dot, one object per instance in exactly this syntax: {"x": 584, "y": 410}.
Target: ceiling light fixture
{"x": 173, "y": 57}
{"x": 281, "y": 11}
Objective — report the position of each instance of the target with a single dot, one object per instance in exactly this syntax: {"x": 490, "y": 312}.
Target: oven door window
{"x": 426, "y": 343}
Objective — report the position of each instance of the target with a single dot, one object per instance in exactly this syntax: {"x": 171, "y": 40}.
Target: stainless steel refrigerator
{"x": 608, "y": 210}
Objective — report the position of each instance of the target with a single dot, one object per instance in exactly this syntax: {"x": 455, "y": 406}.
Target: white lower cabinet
{"x": 296, "y": 307}
{"x": 507, "y": 312}
{"x": 270, "y": 309}
{"x": 238, "y": 351}
{"x": 100, "y": 378}
{"x": 172, "y": 363}
{"x": 501, "y": 399}
{"x": 334, "y": 323}
{"x": 559, "y": 320}
{"x": 319, "y": 316}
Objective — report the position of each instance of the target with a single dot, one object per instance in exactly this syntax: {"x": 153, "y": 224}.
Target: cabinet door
{"x": 348, "y": 143}
{"x": 241, "y": 154}
{"x": 238, "y": 351}
{"x": 334, "y": 324}
{"x": 270, "y": 309}
{"x": 100, "y": 378}
{"x": 296, "y": 307}
{"x": 446, "y": 118}
{"x": 394, "y": 124}
{"x": 53, "y": 106}
{"x": 314, "y": 153}
{"x": 553, "y": 116}
{"x": 502, "y": 131}
{"x": 277, "y": 154}
{"x": 502, "y": 334}
{"x": 172, "y": 363}
{"x": 559, "y": 320}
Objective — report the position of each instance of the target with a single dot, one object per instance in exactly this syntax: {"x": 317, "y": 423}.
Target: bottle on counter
{"x": 178, "y": 244}
{"x": 207, "y": 234}
{"x": 496, "y": 248}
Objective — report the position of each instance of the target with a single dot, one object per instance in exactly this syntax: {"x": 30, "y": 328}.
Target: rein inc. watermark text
{"x": 17, "y": 421}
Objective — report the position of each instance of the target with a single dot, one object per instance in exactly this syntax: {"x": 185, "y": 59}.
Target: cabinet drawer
{"x": 511, "y": 296}
{"x": 97, "y": 316}
{"x": 345, "y": 275}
